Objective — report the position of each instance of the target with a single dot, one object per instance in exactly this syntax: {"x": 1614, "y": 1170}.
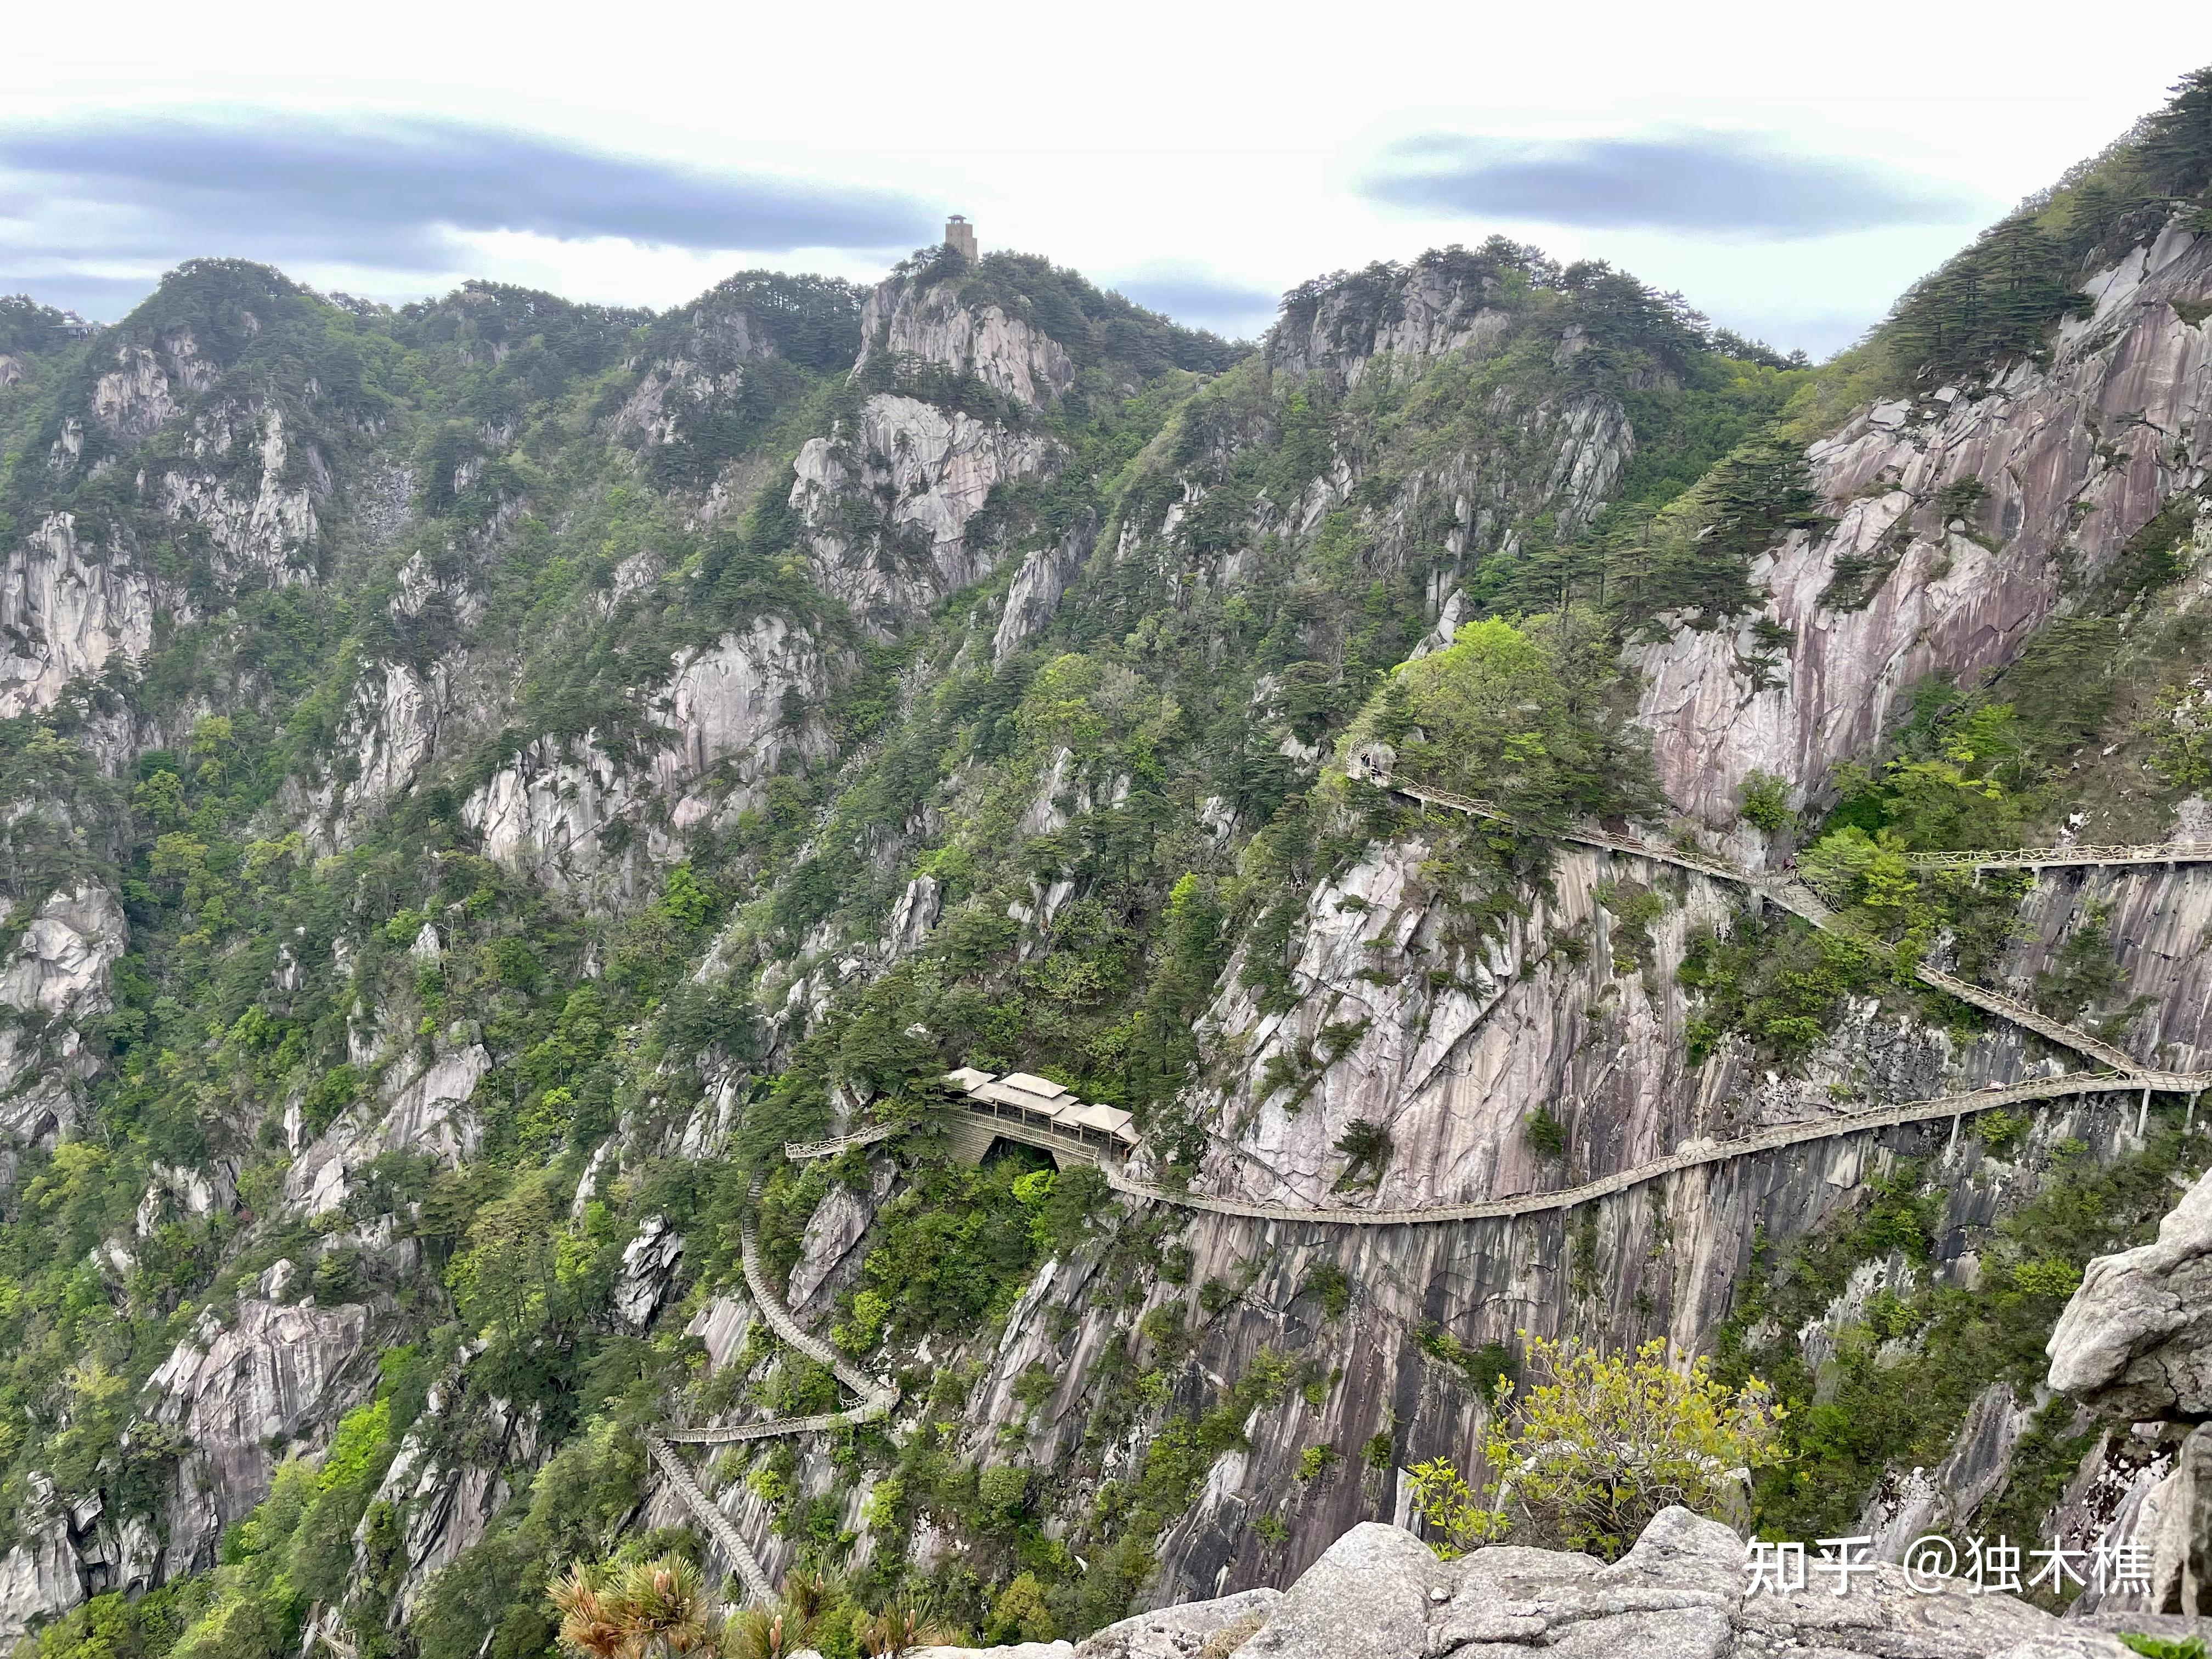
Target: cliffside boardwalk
{"x": 878, "y": 1398}
{"x": 986, "y": 1097}
{"x": 1794, "y": 895}
{"x": 1043, "y": 1114}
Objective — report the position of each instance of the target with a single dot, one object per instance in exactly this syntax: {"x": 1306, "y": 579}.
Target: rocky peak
{"x": 2137, "y": 1338}
{"x": 2068, "y": 461}
{"x": 2136, "y": 1344}
{"x": 1443, "y": 301}
{"x": 933, "y": 322}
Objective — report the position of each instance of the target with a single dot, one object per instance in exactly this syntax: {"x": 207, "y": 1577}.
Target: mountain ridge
{"x": 485, "y": 775}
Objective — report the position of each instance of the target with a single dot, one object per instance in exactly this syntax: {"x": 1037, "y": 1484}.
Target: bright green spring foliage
{"x": 1596, "y": 1446}
{"x": 1524, "y": 715}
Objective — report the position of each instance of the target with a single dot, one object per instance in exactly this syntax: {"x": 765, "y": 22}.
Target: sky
{"x": 1788, "y": 170}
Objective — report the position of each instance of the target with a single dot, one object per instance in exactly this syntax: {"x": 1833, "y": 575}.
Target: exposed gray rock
{"x": 39, "y": 1577}
{"x": 234, "y": 1392}
{"x": 1378, "y": 1593}
{"x": 834, "y": 1232}
{"x": 732, "y": 712}
{"x": 1038, "y": 587}
{"x": 1944, "y": 1499}
{"x": 886, "y": 503}
{"x": 1180, "y": 1632}
{"x": 1431, "y": 310}
{"x": 428, "y": 1111}
{"x": 2074, "y": 458}
{"x": 2137, "y": 1338}
{"x": 914, "y": 916}
{"x": 56, "y": 976}
{"x": 449, "y": 1504}
{"x": 65, "y": 609}
{"x": 648, "y": 1264}
{"x": 1008, "y": 353}
{"x": 1373, "y": 1586}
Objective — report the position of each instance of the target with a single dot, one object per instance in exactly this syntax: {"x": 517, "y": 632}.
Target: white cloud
{"x": 1155, "y": 135}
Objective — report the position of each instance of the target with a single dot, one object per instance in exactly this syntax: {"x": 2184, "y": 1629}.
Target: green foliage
{"x": 2002, "y": 295}
{"x": 1764, "y": 801}
{"x": 1522, "y": 716}
{"x": 1595, "y": 1447}
{"x": 1485, "y": 1367}
{"x": 1546, "y": 1134}
{"x": 1327, "y": 1281}
{"x": 1777, "y": 985}
{"x": 1366, "y": 1149}
{"x": 2164, "y": 1647}
{"x": 592, "y": 515}
{"x": 956, "y": 1248}
{"x": 1899, "y": 1385}
{"x": 117, "y": 1626}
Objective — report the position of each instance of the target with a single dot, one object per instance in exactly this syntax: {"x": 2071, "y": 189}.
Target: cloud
{"x": 392, "y": 193}
{"x": 1733, "y": 183}
{"x": 1198, "y": 298}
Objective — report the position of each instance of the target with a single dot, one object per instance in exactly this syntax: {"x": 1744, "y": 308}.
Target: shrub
{"x": 1547, "y": 1135}
{"x": 1518, "y": 715}
{"x": 1764, "y": 801}
{"x": 1600, "y": 1444}
{"x": 1366, "y": 1149}
{"x": 1326, "y": 1281}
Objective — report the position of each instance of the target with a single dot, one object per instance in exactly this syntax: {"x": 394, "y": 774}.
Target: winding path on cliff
{"x": 1793, "y": 894}
{"x": 2127, "y": 1074}
{"x": 877, "y": 1397}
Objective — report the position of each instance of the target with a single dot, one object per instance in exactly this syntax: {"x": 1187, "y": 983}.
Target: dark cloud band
{"x": 1730, "y": 184}
{"x": 388, "y": 194}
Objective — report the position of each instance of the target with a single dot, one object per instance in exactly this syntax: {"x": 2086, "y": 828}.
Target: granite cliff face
{"x": 729, "y": 715}
{"x": 482, "y": 779}
{"x": 926, "y": 472}
{"x": 2073, "y": 458}
{"x": 67, "y": 610}
{"x": 2136, "y": 1343}
{"x": 239, "y": 1395}
{"x": 56, "y": 979}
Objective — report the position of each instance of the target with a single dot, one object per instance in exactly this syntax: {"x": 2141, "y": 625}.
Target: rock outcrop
{"x": 1040, "y": 584}
{"x": 2135, "y": 1342}
{"x": 886, "y": 503}
{"x": 1680, "y": 1593}
{"x": 929, "y": 324}
{"x": 730, "y": 715}
{"x": 2137, "y": 1338}
{"x": 67, "y": 607}
{"x": 237, "y": 1394}
{"x": 2071, "y": 461}
{"x": 1441, "y": 303}
{"x": 56, "y": 978}
{"x": 427, "y": 1109}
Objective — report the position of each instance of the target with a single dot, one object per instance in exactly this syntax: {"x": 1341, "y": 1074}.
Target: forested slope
{"x": 482, "y": 776}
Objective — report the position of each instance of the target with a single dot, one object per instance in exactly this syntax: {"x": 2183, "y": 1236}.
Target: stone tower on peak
{"x": 960, "y": 237}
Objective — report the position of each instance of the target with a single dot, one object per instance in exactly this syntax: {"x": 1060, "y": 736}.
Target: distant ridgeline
{"x": 483, "y": 779}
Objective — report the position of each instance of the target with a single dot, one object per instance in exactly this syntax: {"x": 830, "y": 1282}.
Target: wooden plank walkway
{"x": 1793, "y": 894}
{"x": 879, "y": 1396}
{"x": 1694, "y": 1154}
